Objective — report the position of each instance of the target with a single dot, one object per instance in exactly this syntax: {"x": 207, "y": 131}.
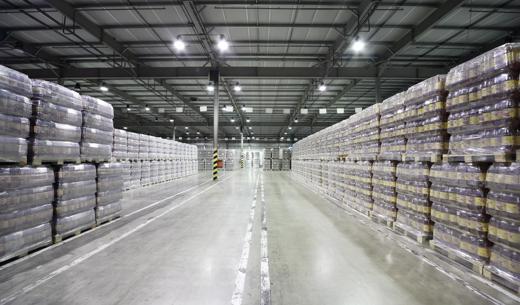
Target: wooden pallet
{"x": 458, "y": 257}
{"x": 412, "y": 233}
{"x": 61, "y": 237}
{"x": 422, "y": 158}
{"x": 479, "y": 158}
{"x": 380, "y": 219}
{"x": 107, "y": 220}
{"x": 6, "y": 259}
{"x": 502, "y": 278}
{"x": 94, "y": 160}
{"x": 38, "y": 162}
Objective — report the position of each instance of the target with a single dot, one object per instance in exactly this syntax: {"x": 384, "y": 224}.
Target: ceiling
{"x": 280, "y": 51}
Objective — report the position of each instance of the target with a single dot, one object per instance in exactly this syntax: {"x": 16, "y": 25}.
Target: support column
{"x": 214, "y": 77}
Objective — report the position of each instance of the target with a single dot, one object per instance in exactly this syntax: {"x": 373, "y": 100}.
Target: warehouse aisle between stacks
{"x": 189, "y": 248}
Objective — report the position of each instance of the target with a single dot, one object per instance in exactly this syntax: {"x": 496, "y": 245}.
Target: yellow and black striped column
{"x": 215, "y": 164}
{"x": 242, "y": 161}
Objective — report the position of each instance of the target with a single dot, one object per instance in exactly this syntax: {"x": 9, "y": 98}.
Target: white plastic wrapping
{"x": 14, "y": 126}
{"x": 54, "y": 151}
{"x": 13, "y": 150}
{"x": 21, "y": 242}
{"x": 72, "y": 223}
{"x": 20, "y": 219}
{"x": 14, "y": 104}
{"x": 15, "y": 81}
{"x": 70, "y": 190}
{"x": 56, "y": 94}
{"x": 75, "y": 205}
{"x": 76, "y": 172}
{"x": 93, "y": 135}
{"x": 107, "y": 212}
{"x": 97, "y": 121}
{"x": 95, "y": 152}
{"x": 96, "y": 106}
{"x": 55, "y": 113}
{"x": 47, "y": 130}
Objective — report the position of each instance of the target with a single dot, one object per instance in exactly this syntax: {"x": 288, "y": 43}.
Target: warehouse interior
{"x": 259, "y": 152}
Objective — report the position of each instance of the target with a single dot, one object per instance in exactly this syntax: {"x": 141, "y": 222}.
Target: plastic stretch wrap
{"x": 21, "y": 242}
{"x": 108, "y": 197}
{"x": 14, "y": 104}
{"x": 15, "y": 81}
{"x": 93, "y": 135}
{"x": 13, "y": 149}
{"x": 111, "y": 169}
{"x": 15, "y": 177}
{"x": 49, "y": 151}
{"x": 72, "y": 223}
{"x": 499, "y": 60}
{"x": 504, "y": 177}
{"x": 96, "y": 106}
{"x": 98, "y": 122}
{"x": 76, "y": 172}
{"x": 46, "y": 130}
{"x": 72, "y": 206}
{"x": 127, "y": 178}
{"x": 95, "y": 151}
{"x": 24, "y": 198}
{"x": 70, "y": 190}
{"x": 14, "y": 126}
{"x": 506, "y": 259}
{"x": 55, "y": 113}
{"x": 106, "y": 212}
{"x": 110, "y": 183}
{"x": 56, "y": 94}
{"x": 145, "y": 173}
{"x": 17, "y": 220}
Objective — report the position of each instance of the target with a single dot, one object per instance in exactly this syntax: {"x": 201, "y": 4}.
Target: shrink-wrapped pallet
{"x": 362, "y": 134}
{"x": 144, "y": 147}
{"x": 56, "y": 118}
{"x": 384, "y": 192}
{"x": 133, "y": 145}
{"x": 109, "y": 193}
{"x": 97, "y": 131}
{"x": 120, "y": 145}
{"x": 503, "y": 204}
{"x": 458, "y": 202}
{"x": 15, "y": 82}
{"x": 135, "y": 174}
{"x": 26, "y": 195}
{"x": 393, "y": 127}
{"x": 425, "y": 116}
{"x": 482, "y": 104}
{"x": 358, "y": 185}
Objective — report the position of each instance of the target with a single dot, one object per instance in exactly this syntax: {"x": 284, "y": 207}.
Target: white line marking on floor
{"x": 240, "y": 281}
{"x": 265, "y": 281}
{"x": 68, "y": 240}
{"x": 88, "y": 255}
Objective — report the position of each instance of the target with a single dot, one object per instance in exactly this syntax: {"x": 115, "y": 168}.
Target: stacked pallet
{"x": 393, "y": 128}
{"x": 132, "y": 146}
{"x": 97, "y": 133}
{"x": 503, "y": 205}
{"x": 56, "y": 124}
{"x": 358, "y": 181}
{"x": 26, "y": 195}
{"x": 109, "y": 191}
{"x": 362, "y": 135}
{"x": 120, "y": 146}
{"x": 15, "y": 111}
{"x": 75, "y": 200}
{"x": 384, "y": 191}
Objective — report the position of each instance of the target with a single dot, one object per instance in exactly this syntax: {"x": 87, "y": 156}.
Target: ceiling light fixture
{"x": 146, "y": 107}
{"x": 232, "y": 120}
{"x": 290, "y": 127}
{"x": 103, "y": 87}
{"x": 178, "y": 44}
{"x": 248, "y": 120}
{"x": 358, "y": 45}
{"x": 171, "y": 120}
{"x": 186, "y": 127}
{"x": 222, "y": 44}
{"x": 250, "y": 127}
{"x": 322, "y": 87}
{"x": 125, "y": 128}
{"x": 237, "y": 87}
{"x": 128, "y": 108}
{"x": 296, "y": 120}
{"x": 210, "y": 87}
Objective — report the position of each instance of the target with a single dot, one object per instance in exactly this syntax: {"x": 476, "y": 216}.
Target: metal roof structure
{"x": 280, "y": 52}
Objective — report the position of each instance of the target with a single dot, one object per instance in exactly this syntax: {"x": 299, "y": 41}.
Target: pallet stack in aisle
{"x": 503, "y": 205}
{"x": 358, "y": 186}
{"x": 109, "y": 191}
{"x": 384, "y": 191}
{"x": 459, "y": 214}
{"x": 56, "y": 124}
{"x": 413, "y": 201}
{"x": 120, "y": 145}
{"x": 75, "y": 200}
{"x": 231, "y": 159}
{"x": 286, "y": 159}
{"x": 97, "y": 133}
{"x": 26, "y": 195}
{"x": 15, "y": 111}
{"x": 393, "y": 128}
{"x": 359, "y": 135}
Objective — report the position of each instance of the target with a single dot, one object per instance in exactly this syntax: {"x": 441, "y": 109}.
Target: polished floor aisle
{"x": 252, "y": 238}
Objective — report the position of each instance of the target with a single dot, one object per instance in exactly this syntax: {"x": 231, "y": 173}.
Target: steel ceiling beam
{"x": 72, "y": 73}
{"x": 229, "y": 124}
{"x": 447, "y": 7}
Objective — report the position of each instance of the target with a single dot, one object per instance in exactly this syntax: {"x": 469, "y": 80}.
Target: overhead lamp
{"x": 248, "y": 120}
{"x": 198, "y": 132}
{"x": 222, "y": 44}
{"x": 250, "y": 127}
{"x": 243, "y": 107}
{"x": 178, "y": 44}
{"x": 146, "y": 107}
{"x": 128, "y": 108}
{"x": 290, "y": 127}
{"x": 210, "y": 87}
{"x": 125, "y": 128}
{"x": 232, "y": 120}
{"x": 103, "y": 87}
{"x": 281, "y": 138}
{"x": 322, "y": 87}
{"x": 285, "y": 133}
{"x": 236, "y": 127}
{"x": 171, "y": 120}
{"x": 186, "y": 127}
{"x": 237, "y": 87}
{"x": 187, "y": 132}
{"x": 296, "y": 120}
{"x": 358, "y": 45}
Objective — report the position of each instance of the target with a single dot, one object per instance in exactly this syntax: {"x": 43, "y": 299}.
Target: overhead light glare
{"x": 103, "y": 87}
{"x": 178, "y": 44}
{"x": 290, "y": 127}
{"x": 171, "y": 120}
{"x": 146, "y": 107}
{"x": 125, "y": 128}
{"x": 237, "y": 87}
{"x": 222, "y": 44}
{"x": 358, "y": 45}
{"x": 210, "y": 87}
{"x": 322, "y": 87}
{"x": 232, "y": 120}
{"x": 248, "y": 120}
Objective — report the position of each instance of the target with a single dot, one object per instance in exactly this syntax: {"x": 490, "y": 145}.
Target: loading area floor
{"x": 252, "y": 238}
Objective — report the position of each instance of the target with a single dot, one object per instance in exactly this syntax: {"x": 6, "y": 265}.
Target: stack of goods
{"x": 363, "y": 134}
{"x": 286, "y": 164}
{"x": 384, "y": 192}
{"x": 26, "y": 195}
{"x": 413, "y": 200}
{"x": 146, "y": 173}
{"x": 393, "y": 128}
{"x": 15, "y": 111}
{"x": 120, "y": 145}
{"x": 268, "y": 155}
{"x": 276, "y": 164}
{"x": 458, "y": 210}
{"x": 333, "y": 190}
{"x": 133, "y": 145}
{"x": 153, "y": 148}
{"x": 503, "y": 204}
{"x": 144, "y": 146}
{"x": 75, "y": 199}
{"x": 205, "y": 156}
{"x": 324, "y": 177}
{"x": 109, "y": 191}
{"x": 358, "y": 183}
{"x": 231, "y": 159}
{"x": 127, "y": 176}
{"x": 482, "y": 106}
{"x": 135, "y": 174}
{"x": 154, "y": 172}
{"x": 98, "y": 130}
{"x": 56, "y": 123}
{"x": 286, "y": 159}
{"x": 425, "y": 115}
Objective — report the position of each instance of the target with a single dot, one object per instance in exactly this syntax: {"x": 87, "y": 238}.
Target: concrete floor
{"x": 186, "y": 249}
